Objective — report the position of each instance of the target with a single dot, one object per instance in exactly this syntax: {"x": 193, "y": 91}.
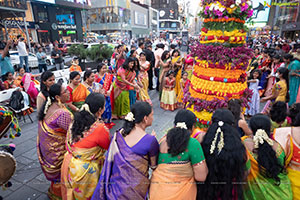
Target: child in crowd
{"x": 168, "y": 98}
{"x": 255, "y": 100}
{"x": 278, "y": 114}
{"x": 75, "y": 65}
{"x": 184, "y": 82}
{"x": 106, "y": 79}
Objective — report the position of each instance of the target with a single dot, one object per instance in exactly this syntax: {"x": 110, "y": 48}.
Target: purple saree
{"x": 51, "y": 142}
{"x": 124, "y": 174}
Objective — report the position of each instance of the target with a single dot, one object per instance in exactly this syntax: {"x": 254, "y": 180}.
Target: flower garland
{"x": 223, "y": 55}
{"x": 211, "y": 105}
{"x": 212, "y": 72}
{"x": 241, "y": 79}
{"x": 224, "y": 19}
{"x": 209, "y": 65}
{"x": 226, "y": 26}
{"x": 217, "y": 92}
{"x": 222, "y": 39}
{"x": 219, "y": 33}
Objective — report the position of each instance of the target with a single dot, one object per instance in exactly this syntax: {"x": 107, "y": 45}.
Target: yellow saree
{"x": 80, "y": 171}
{"x": 178, "y": 76}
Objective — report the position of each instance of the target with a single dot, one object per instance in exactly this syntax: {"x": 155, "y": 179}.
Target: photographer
{"x": 5, "y": 63}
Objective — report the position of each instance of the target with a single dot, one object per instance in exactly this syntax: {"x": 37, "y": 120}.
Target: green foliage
{"x": 96, "y": 52}
{"x": 100, "y": 52}
{"x": 78, "y": 50}
{"x": 225, "y": 26}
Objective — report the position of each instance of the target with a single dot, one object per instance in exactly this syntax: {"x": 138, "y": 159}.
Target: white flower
{"x": 221, "y": 123}
{"x": 238, "y": 2}
{"x": 211, "y": 78}
{"x": 130, "y": 117}
{"x": 211, "y": 7}
{"x": 181, "y": 125}
{"x": 249, "y": 3}
{"x": 232, "y": 6}
{"x": 201, "y": 9}
{"x": 222, "y": 9}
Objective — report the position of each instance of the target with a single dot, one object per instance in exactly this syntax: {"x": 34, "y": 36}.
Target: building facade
{"x": 60, "y": 20}
{"x": 168, "y": 15}
{"x": 284, "y": 18}
{"x": 12, "y": 19}
{"x": 110, "y": 17}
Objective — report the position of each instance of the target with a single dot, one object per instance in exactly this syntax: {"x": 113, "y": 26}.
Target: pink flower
{"x": 245, "y": 7}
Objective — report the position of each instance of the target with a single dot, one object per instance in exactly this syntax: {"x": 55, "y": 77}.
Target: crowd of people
{"x": 251, "y": 154}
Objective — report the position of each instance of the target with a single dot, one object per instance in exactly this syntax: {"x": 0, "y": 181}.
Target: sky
{"x": 194, "y": 5}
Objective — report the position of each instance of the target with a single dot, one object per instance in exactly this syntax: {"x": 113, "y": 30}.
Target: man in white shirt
{"x": 23, "y": 54}
{"x": 140, "y": 49}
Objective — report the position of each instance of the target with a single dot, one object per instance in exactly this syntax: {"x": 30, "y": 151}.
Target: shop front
{"x": 291, "y": 30}
{"x": 16, "y": 27}
{"x": 58, "y": 23}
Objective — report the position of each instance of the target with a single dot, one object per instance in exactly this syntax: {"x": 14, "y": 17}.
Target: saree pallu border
{"x": 80, "y": 172}
{"x": 172, "y": 182}
{"x": 55, "y": 151}
{"x": 124, "y": 174}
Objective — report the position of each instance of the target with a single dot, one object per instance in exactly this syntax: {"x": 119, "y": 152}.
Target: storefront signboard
{"x": 15, "y": 24}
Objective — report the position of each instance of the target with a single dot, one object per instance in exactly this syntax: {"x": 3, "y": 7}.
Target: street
{"x": 29, "y": 182}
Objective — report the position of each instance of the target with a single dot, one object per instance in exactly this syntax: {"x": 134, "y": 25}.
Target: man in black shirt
{"x": 56, "y": 54}
{"x": 150, "y": 58}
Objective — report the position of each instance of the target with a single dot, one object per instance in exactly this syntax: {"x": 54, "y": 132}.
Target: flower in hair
{"x": 48, "y": 104}
{"x": 86, "y": 107}
{"x": 130, "y": 117}
{"x": 220, "y": 144}
{"x": 181, "y": 125}
{"x": 260, "y": 137}
{"x": 220, "y": 123}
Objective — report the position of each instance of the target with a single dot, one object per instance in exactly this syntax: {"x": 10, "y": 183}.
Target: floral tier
{"x": 221, "y": 59}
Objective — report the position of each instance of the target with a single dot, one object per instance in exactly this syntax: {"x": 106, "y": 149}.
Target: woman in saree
{"x": 184, "y": 82}
{"x": 189, "y": 66}
{"x": 294, "y": 77}
{"x": 280, "y": 91}
{"x": 54, "y": 122}
{"x": 124, "y": 82}
{"x": 177, "y": 67}
{"x": 266, "y": 179}
{"x": 289, "y": 139}
{"x": 272, "y": 77}
{"x": 106, "y": 80}
{"x": 47, "y": 80}
{"x": 143, "y": 78}
{"x": 89, "y": 81}
{"x": 10, "y": 81}
{"x": 265, "y": 67}
{"x": 78, "y": 92}
{"x": 165, "y": 66}
{"x": 87, "y": 141}
{"x": 181, "y": 162}
{"x": 131, "y": 152}
{"x": 225, "y": 158}
{"x": 28, "y": 82}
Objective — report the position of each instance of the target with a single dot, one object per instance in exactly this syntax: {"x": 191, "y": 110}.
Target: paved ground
{"x": 29, "y": 182}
